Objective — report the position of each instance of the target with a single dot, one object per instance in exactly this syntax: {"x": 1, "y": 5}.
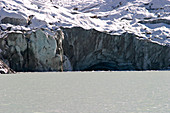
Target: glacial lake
{"x": 86, "y": 92}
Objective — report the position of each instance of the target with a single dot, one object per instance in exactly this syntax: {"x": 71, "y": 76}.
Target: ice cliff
{"x": 94, "y": 50}
{"x": 57, "y": 35}
{"x": 34, "y": 51}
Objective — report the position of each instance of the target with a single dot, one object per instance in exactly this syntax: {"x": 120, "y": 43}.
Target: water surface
{"x": 85, "y": 92}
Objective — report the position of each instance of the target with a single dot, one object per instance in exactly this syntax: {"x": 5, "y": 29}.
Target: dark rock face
{"x": 14, "y": 21}
{"x": 93, "y": 50}
{"x": 35, "y": 51}
{"x": 156, "y": 21}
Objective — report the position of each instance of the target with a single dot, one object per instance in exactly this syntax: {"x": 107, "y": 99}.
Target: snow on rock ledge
{"x": 149, "y": 19}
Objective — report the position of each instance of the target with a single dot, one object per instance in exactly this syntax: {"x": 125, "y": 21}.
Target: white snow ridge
{"x": 148, "y": 19}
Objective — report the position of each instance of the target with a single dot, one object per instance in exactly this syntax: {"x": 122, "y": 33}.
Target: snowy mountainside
{"x": 148, "y": 19}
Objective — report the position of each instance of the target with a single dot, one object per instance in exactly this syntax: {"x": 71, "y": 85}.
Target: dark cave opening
{"x": 102, "y": 66}
{"x": 110, "y": 66}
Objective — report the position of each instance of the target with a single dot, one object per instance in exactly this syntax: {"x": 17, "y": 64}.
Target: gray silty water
{"x": 85, "y": 92}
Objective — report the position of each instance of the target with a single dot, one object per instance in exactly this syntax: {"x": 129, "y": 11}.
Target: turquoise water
{"x": 85, "y": 92}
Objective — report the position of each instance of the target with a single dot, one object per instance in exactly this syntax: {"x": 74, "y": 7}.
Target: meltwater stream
{"x": 85, "y": 92}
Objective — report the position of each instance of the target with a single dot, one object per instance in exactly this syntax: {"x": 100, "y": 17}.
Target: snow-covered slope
{"x": 148, "y": 19}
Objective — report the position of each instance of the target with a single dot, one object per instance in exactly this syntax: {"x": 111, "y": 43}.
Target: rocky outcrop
{"x": 14, "y": 21}
{"x": 155, "y": 21}
{"x": 34, "y": 51}
{"x": 94, "y": 50}
{"x": 4, "y": 69}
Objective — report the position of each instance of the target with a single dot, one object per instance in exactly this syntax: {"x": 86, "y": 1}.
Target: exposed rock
{"x": 14, "y": 21}
{"x": 155, "y": 21}
{"x": 37, "y": 51}
{"x": 93, "y": 50}
{"x": 4, "y": 69}
{"x": 29, "y": 20}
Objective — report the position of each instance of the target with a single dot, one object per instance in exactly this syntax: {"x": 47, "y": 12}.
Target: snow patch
{"x": 112, "y": 16}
